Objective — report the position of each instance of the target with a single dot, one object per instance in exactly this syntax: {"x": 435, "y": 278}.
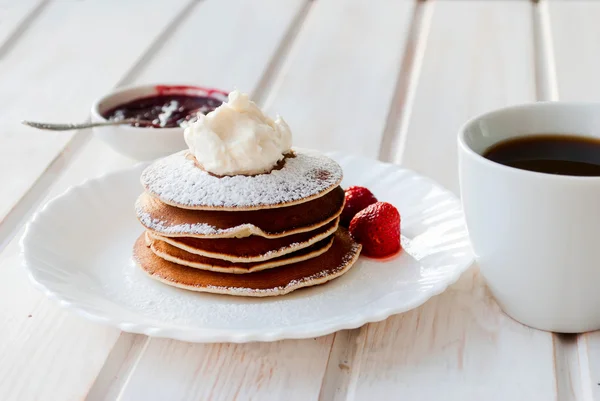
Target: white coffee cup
{"x": 536, "y": 236}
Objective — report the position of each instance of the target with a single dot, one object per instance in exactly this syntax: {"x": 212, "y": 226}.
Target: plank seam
{"x": 133, "y": 367}
{"x": 396, "y": 126}
{"x": 568, "y": 367}
{"x": 343, "y": 365}
{"x": 159, "y": 42}
{"x": 584, "y": 366}
{"x": 25, "y": 207}
{"x": 274, "y": 67}
{"x": 555, "y": 364}
{"x": 545, "y": 65}
{"x": 362, "y": 337}
{"x": 20, "y": 29}
{"x": 123, "y": 356}
{"x": 327, "y": 365}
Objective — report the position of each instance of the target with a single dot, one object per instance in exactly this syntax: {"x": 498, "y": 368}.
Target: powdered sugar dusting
{"x": 315, "y": 278}
{"x": 293, "y": 245}
{"x": 177, "y": 180}
{"x": 166, "y": 228}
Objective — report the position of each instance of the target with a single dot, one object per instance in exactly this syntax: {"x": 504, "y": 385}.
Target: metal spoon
{"x": 67, "y": 127}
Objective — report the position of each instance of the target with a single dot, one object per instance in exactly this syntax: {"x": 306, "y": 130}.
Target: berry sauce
{"x": 163, "y": 111}
{"x": 386, "y": 257}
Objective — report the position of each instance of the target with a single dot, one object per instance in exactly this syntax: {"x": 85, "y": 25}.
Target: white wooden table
{"x": 389, "y": 79}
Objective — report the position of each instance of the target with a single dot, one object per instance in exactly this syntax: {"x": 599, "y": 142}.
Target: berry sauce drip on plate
{"x": 163, "y": 111}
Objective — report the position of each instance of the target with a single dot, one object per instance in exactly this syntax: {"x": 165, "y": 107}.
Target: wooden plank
{"x": 224, "y": 44}
{"x": 290, "y": 370}
{"x": 41, "y": 349}
{"x": 335, "y": 88}
{"x": 574, "y": 34}
{"x": 68, "y": 57}
{"x": 332, "y": 50}
{"x": 467, "y": 72}
{"x": 459, "y": 345}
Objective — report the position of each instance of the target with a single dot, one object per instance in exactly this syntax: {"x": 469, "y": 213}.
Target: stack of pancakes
{"x": 260, "y": 235}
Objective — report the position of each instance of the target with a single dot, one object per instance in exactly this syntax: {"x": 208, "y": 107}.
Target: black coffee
{"x": 552, "y": 154}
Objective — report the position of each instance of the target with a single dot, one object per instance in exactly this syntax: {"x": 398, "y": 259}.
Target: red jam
{"x": 386, "y": 257}
{"x": 163, "y": 110}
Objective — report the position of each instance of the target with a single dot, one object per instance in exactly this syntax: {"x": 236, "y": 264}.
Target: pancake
{"x": 169, "y": 221}
{"x": 333, "y": 263}
{"x": 248, "y": 249}
{"x": 177, "y": 181}
{"x": 181, "y": 257}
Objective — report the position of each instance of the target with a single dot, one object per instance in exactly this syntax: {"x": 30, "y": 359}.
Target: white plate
{"x": 77, "y": 249}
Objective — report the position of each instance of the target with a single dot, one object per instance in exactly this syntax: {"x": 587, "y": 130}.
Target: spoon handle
{"x": 67, "y": 127}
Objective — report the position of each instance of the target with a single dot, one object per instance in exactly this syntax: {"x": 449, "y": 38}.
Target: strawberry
{"x": 357, "y": 198}
{"x": 377, "y": 228}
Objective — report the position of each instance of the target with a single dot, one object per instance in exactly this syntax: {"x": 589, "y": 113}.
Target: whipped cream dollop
{"x": 237, "y": 138}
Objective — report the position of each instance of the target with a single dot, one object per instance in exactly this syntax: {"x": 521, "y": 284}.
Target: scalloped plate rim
{"x": 306, "y": 330}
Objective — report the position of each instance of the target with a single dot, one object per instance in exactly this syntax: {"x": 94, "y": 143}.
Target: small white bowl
{"x": 144, "y": 143}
